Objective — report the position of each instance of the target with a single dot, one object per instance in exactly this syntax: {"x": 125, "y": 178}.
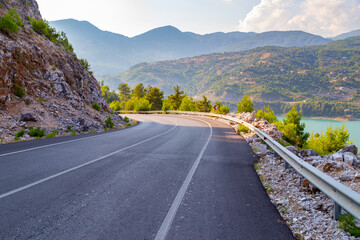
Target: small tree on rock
{"x": 245, "y": 105}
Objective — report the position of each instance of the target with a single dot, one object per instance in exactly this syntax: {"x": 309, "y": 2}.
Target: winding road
{"x": 169, "y": 177}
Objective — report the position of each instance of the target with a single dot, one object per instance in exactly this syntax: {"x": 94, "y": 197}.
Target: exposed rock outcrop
{"x": 58, "y": 90}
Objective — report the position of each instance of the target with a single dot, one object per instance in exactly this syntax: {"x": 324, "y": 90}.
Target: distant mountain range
{"x": 317, "y": 74}
{"x": 111, "y": 53}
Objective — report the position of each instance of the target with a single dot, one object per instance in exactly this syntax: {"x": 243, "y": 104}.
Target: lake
{"x": 318, "y": 125}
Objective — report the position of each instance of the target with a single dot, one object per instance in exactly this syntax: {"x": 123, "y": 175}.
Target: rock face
{"x": 58, "y": 90}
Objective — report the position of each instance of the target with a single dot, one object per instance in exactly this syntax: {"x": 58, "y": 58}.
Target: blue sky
{"x": 133, "y": 17}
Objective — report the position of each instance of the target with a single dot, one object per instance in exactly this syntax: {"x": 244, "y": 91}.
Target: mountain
{"x": 347, "y": 35}
{"x": 322, "y": 73}
{"x": 42, "y": 82}
{"x": 113, "y": 53}
{"x": 278, "y": 38}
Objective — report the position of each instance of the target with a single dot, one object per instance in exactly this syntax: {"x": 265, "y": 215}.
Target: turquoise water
{"x": 318, "y": 125}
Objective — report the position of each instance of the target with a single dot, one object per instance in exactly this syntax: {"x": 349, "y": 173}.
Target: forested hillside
{"x": 326, "y": 75}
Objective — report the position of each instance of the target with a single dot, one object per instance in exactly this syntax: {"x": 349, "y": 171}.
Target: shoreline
{"x": 339, "y": 119}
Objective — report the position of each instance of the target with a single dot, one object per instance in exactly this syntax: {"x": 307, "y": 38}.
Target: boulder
{"x": 349, "y": 148}
{"x": 293, "y": 150}
{"x": 350, "y": 158}
{"x": 345, "y": 177}
{"x": 28, "y": 117}
{"x": 308, "y": 153}
{"x": 338, "y": 156}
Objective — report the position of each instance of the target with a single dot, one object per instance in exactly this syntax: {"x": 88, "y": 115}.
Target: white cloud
{"x": 326, "y": 18}
{"x": 227, "y": 1}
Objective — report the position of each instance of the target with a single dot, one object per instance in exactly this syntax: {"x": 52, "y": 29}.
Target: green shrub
{"x": 43, "y": 27}
{"x": 267, "y": 114}
{"x": 293, "y": 129}
{"x": 245, "y": 105}
{"x": 68, "y": 128}
{"x": 130, "y": 104}
{"x": 115, "y": 105}
{"x": 19, "y": 91}
{"x": 167, "y": 105}
{"x": 11, "y": 22}
{"x": 19, "y": 134}
{"x": 109, "y": 123}
{"x": 96, "y": 106}
{"x": 224, "y": 109}
{"x": 126, "y": 119}
{"x": 73, "y": 132}
{"x": 333, "y": 140}
{"x": 347, "y": 223}
{"x": 36, "y": 132}
{"x": 27, "y": 101}
{"x": 53, "y": 134}
{"x": 142, "y": 105}
{"x": 85, "y": 64}
{"x": 41, "y": 100}
{"x": 54, "y": 68}
{"x": 243, "y": 128}
{"x": 187, "y": 104}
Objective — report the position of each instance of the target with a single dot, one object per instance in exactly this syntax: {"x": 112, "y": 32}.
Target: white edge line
{"x": 166, "y": 224}
{"x": 54, "y": 144}
{"x": 80, "y": 166}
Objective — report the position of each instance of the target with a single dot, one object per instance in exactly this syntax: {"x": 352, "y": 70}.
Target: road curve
{"x": 170, "y": 177}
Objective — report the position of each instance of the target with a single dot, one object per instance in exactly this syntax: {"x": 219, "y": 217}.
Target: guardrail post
{"x": 286, "y": 165}
{"x": 337, "y": 211}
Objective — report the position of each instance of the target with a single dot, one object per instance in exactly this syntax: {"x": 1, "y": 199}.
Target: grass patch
{"x": 243, "y": 128}
{"x": 347, "y": 223}
{"x": 53, "y": 134}
{"x": 41, "y": 100}
{"x": 73, "y": 132}
{"x": 126, "y": 119}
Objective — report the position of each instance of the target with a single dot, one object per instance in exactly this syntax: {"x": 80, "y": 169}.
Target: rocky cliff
{"x": 55, "y": 88}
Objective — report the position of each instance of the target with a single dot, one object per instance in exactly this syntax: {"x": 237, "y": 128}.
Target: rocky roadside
{"x": 307, "y": 211}
{"x": 43, "y": 84}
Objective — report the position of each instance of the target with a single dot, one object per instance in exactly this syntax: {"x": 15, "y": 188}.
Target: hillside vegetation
{"x": 323, "y": 79}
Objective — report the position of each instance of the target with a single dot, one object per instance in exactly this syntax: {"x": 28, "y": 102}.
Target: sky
{"x": 133, "y": 17}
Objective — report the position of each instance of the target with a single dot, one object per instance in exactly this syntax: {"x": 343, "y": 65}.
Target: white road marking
{"x": 50, "y": 145}
{"x": 165, "y": 226}
{"x": 81, "y": 165}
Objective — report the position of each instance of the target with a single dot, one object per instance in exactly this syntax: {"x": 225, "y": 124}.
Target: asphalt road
{"x": 167, "y": 178}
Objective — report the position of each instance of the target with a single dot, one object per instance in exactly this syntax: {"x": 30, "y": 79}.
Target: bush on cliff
{"x": 43, "y": 27}
{"x": 11, "y": 22}
{"x": 267, "y": 114}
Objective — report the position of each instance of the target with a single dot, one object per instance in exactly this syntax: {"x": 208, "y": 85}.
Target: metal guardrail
{"x": 343, "y": 196}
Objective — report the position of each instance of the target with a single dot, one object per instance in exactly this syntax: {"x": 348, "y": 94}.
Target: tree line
{"x": 141, "y": 98}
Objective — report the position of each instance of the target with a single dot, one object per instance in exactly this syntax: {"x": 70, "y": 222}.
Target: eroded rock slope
{"x": 58, "y": 90}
